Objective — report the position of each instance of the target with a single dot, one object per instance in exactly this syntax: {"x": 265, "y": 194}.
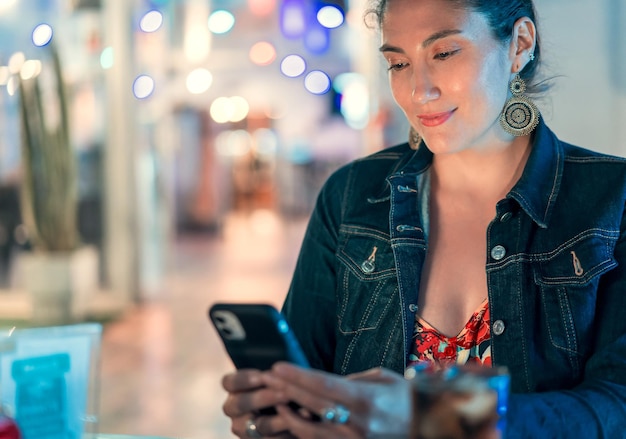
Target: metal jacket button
{"x": 368, "y": 266}
{"x": 413, "y": 307}
{"x": 506, "y": 216}
{"x": 498, "y": 327}
{"x": 498, "y": 252}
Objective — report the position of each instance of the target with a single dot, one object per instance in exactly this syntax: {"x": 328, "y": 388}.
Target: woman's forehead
{"x": 422, "y": 18}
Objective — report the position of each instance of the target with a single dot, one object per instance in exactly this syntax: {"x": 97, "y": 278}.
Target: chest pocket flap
{"x": 367, "y": 255}
{"x": 579, "y": 260}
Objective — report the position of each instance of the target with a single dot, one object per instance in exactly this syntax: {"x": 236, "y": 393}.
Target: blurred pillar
{"x": 121, "y": 237}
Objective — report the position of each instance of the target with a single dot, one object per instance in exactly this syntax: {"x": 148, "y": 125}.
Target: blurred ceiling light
{"x": 151, "y": 21}
{"x": 5, "y": 5}
{"x": 262, "y": 8}
{"x": 106, "y": 58}
{"x": 16, "y": 61}
{"x": 293, "y": 18}
{"x": 262, "y": 53}
{"x": 241, "y": 109}
{"x": 330, "y": 17}
{"x": 197, "y": 37}
{"x": 293, "y": 66}
{"x": 197, "y": 44}
{"x": 199, "y": 81}
{"x": 317, "y": 82}
{"x": 233, "y": 109}
{"x": 355, "y": 105}
{"x": 221, "y": 110}
{"x": 221, "y": 22}
{"x": 30, "y": 69}
{"x": 143, "y": 86}
{"x": 42, "y": 34}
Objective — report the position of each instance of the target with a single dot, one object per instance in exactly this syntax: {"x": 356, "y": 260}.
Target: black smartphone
{"x": 256, "y": 335}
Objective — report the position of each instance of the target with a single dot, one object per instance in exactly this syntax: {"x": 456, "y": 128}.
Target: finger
{"x": 267, "y": 426}
{"x": 242, "y": 380}
{"x": 274, "y": 426}
{"x": 376, "y": 375}
{"x": 322, "y": 384}
{"x": 304, "y": 429}
{"x": 238, "y": 404}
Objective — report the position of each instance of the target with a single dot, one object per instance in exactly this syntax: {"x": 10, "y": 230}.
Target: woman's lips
{"x": 434, "y": 119}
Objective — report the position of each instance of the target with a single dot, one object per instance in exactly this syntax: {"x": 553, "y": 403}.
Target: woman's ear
{"x": 523, "y": 43}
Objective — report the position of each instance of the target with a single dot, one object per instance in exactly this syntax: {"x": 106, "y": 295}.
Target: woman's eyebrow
{"x": 427, "y": 42}
{"x": 439, "y": 35}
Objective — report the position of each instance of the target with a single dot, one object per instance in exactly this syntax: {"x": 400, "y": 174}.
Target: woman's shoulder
{"x": 575, "y": 153}
{"x": 367, "y": 175}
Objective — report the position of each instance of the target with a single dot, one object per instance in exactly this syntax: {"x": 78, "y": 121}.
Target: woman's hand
{"x": 247, "y": 396}
{"x": 372, "y": 404}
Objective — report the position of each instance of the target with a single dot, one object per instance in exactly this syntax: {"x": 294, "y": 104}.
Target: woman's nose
{"x": 424, "y": 90}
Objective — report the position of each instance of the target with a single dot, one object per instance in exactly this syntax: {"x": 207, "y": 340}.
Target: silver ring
{"x": 251, "y": 429}
{"x": 335, "y": 415}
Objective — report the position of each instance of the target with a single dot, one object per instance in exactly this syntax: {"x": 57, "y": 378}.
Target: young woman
{"x": 484, "y": 240}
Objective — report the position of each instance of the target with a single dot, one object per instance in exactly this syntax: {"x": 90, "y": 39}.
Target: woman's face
{"x": 447, "y": 72}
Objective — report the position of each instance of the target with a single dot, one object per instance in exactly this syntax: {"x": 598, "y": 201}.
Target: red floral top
{"x": 471, "y": 346}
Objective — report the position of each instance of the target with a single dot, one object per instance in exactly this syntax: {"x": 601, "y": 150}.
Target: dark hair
{"x": 501, "y": 16}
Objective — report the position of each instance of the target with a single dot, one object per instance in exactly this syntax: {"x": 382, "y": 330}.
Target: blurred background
{"x": 199, "y": 133}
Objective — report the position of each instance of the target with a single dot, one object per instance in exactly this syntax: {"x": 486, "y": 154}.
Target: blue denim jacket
{"x": 556, "y": 275}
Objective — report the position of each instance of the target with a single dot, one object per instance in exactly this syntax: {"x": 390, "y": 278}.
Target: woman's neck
{"x": 484, "y": 174}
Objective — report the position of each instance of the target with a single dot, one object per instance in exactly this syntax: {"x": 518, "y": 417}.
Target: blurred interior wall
{"x": 584, "y": 43}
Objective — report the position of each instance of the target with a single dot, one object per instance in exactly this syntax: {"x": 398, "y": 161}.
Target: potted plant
{"x": 59, "y": 273}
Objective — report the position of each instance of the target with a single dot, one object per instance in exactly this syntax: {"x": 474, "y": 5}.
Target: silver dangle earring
{"x": 520, "y": 115}
{"x": 414, "y": 139}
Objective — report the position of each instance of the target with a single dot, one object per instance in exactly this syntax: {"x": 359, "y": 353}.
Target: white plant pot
{"x": 61, "y": 285}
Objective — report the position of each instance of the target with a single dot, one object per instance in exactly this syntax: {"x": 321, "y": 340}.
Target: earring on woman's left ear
{"x": 520, "y": 115}
{"x": 414, "y": 139}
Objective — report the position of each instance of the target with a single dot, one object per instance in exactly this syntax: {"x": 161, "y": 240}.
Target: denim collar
{"x": 536, "y": 190}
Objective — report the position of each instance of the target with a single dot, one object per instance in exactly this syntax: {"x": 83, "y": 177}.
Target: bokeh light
{"x": 16, "y": 61}
{"x": 229, "y": 109}
{"x": 30, "y": 69}
{"x": 261, "y": 8}
{"x": 42, "y": 34}
{"x": 199, "y": 81}
{"x": 12, "y": 85}
{"x": 221, "y": 21}
{"x": 143, "y": 86}
{"x": 6, "y": 5}
{"x": 317, "y": 39}
{"x": 262, "y": 53}
{"x": 317, "y": 82}
{"x": 330, "y": 17}
{"x": 355, "y": 105}
{"x": 151, "y": 21}
{"x": 241, "y": 108}
{"x": 293, "y": 66}
{"x": 107, "y": 58}
{"x": 293, "y": 18}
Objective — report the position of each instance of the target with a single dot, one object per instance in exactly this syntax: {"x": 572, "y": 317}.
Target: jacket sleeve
{"x": 596, "y": 408}
{"x": 310, "y": 305}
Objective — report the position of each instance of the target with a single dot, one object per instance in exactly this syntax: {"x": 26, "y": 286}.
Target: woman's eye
{"x": 397, "y": 66}
{"x": 445, "y": 55}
